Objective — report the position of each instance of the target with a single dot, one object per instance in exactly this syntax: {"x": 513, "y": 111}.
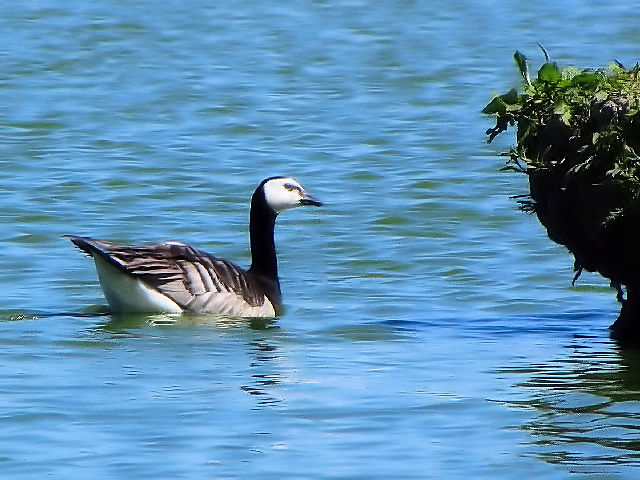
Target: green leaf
{"x": 589, "y": 80}
{"x": 549, "y": 73}
{"x": 521, "y": 61}
{"x": 500, "y": 104}
{"x": 511, "y": 97}
{"x": 495, "y": 106}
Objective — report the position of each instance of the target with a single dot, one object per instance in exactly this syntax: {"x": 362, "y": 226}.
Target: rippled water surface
{"x": 431, "y": 329}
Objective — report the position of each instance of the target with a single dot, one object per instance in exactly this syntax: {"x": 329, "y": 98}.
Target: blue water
{"x": 431, "y": 329}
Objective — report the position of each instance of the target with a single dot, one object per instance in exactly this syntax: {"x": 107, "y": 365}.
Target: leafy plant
{"x": 578, "y": 139}
{"x": 583, "y": 100}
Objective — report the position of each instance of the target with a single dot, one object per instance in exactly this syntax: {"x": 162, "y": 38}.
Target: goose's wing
{"x": 193, "y": 279}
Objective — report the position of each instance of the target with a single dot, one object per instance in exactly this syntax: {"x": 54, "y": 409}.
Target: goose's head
{"x": 281, "y": 193}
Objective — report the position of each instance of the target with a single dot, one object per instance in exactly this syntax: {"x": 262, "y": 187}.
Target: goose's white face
{"x": 285, "y": 192}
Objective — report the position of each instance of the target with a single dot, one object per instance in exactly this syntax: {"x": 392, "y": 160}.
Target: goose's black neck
{"x": 262, "y": 220}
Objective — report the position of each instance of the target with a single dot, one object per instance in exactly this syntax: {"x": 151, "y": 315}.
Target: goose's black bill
{"x": 309, "y": 200}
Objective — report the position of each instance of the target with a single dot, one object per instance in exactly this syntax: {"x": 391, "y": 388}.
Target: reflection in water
{"x": 265, "y": 378}
{"x": 587, "y": 404}
{"x": 125, "y": 325}
{"x": 265, "y": 356}
{"x": 121, "y": 323}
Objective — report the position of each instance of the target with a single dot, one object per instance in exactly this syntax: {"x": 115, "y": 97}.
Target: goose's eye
{"x": 291, "y": 187}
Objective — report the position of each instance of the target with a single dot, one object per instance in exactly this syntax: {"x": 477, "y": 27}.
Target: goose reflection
{"x": 265, "y": 377}
{"x": 122, "y": 323}
{"x": 265, "y": 357}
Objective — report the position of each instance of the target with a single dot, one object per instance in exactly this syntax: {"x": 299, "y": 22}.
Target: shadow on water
{"x": 586, "y": 405}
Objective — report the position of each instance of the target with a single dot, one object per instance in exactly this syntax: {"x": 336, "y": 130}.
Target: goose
{"x": 173, "y": 277}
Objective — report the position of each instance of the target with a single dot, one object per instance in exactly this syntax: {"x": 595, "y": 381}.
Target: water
{"x": 431, "y": 330}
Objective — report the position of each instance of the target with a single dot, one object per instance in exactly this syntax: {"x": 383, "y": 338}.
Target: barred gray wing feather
{"x": 195, "y": 280}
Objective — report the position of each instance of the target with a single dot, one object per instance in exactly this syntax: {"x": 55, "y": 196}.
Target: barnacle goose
{"x": 173, "y": 277}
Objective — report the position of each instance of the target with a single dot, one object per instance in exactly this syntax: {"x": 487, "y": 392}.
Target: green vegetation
{"x": 578, "y": 140}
